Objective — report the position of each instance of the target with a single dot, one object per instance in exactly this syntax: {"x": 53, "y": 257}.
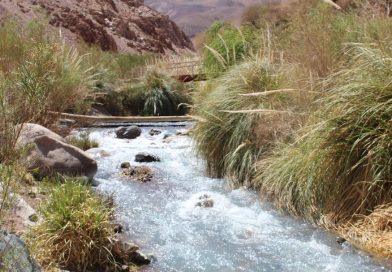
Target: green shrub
{"x": 227, "y": 45}
{"x": 340, "y": 165}
{"x": 76, "y": 232}
{"x": 242, "y": 115}
{"x": 165, "y": 95}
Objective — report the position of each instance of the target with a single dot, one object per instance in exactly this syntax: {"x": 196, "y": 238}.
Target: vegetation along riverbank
{"x": 294, "y": 102}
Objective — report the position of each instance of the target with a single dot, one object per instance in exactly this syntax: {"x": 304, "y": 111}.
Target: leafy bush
{"x": 156, "y": 94}
{"x": 226, "y": 46}
{"x": 164, "y": 96}
{"x": 76, "y": 232}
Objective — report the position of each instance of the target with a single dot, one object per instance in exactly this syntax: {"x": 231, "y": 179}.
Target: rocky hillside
{"x": 118, "y": 25}
{"x": 197, "y": 16}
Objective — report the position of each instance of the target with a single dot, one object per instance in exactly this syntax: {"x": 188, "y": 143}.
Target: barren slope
{"x": 123, "y": 25}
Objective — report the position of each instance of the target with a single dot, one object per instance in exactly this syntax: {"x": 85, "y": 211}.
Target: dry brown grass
{"x": 372, "y": 232}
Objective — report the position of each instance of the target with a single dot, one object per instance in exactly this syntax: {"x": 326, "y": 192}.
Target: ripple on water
{"x": 239, "y": 233}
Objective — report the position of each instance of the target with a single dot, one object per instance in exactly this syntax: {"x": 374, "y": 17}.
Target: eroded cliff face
{"x": 118, "y": 25}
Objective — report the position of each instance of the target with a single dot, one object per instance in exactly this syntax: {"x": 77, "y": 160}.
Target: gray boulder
{"x": 144, "y": 157}
{"x": 131, "y": 132}
{"x": 49, "y": 154}
{"x": 14, "y": 255}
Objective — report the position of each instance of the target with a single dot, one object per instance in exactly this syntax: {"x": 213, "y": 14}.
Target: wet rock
{"x": 139, "y": 173}
{"x": 125, "y": 165}
{"x": 118, "y": 228}
{"x": 49, "y": 154}
{"x": 131, "y": 132}
{"x": 138, "y": 258}
{"x": 144, "y": 157}
{"x": 340, "y": 240}
{"x": 15, "y": 256}
{"x": 166, "y": 136}
{"x": 154, "y": 132}
{"x": 205, "y": 201}
{"x": 183, "y": 132}
{"x": 123, "y": 251}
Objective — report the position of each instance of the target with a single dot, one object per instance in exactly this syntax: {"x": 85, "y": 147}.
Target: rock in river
{"x": 49, "y": 154}
{"x": 205, "y": 201}
{"x": 139, "y": 173}
{"x": 154, "y": 132}
{"x": 144, "y": 157}
{"x": 131, "y": 132}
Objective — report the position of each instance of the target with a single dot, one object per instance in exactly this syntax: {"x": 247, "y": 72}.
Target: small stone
{"x": 208, "y": 203}
{"x": 33, "y": 218}
{"x": 205, "y": 201}
{"x": 125, "y": 268}
{"x": 118, "y": 228}
{"x": 144, "y": 157}
{"x": 154, "y": 132}
{"x": 125, "y": 165}
{"x": 340, "y": 240}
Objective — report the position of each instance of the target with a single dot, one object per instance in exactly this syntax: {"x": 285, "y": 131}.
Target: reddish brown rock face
{"x": 117, "y": 25}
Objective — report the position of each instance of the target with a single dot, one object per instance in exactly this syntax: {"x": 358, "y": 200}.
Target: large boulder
{"x": 131, "y": 132}
{"x": 14, "y": 255}
{"x": 49, "y": 154}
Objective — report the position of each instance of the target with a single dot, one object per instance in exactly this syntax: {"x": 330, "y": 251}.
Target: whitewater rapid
{"x": 239, "y": 233}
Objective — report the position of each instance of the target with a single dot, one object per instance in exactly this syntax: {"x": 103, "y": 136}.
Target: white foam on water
{"x": 239, "y": 233}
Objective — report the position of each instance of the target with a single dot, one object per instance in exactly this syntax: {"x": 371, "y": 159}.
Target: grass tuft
{"x": 76, "y": 232}
{"x": 345, "y": 150}
{"x": 236, "y": 127}
{"x": 83, "y": 141}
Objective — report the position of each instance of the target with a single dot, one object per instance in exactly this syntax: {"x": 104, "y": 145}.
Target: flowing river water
{"x": 239, "y": 233}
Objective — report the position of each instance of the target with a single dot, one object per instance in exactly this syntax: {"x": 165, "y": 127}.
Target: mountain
{"x": 195, "y": 16}
{"x": 118, "y": 25}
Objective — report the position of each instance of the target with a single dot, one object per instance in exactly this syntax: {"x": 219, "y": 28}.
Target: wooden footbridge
{"x": 184, "y": 70}
{"x": 187, "y": 71}
{"x": 106, "y": 121}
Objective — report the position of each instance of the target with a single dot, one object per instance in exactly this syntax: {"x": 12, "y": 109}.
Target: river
{"x": 239, "y": 233}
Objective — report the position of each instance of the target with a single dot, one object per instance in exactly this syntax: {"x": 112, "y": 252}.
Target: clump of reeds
{"x": 339, "y": 165}
{"x": 241, "y": 116}
{"x": 226, "y": 45}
